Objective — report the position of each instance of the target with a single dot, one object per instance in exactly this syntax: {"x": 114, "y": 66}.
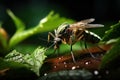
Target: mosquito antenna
{"x": 45, "y": 39}
{"x": 50, "y": 46}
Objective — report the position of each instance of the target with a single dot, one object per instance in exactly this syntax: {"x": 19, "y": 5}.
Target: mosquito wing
{"x": 82, "y": 23}
{"x": 85, "y": 24}
{"x": 93, "y": 25}
{"x": 86, "y": 21}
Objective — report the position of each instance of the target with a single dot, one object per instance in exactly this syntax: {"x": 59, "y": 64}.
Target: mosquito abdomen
{"x": 91, "y": 37}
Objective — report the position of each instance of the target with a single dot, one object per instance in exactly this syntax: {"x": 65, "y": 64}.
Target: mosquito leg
{"x": 82, "y": 45}
{"x": 72, "y": 54}
{"x": 100, "y": 48}
{"x": 80, "y": 36}
{"x": 58, "y": 51}
{"x": 55, "y": 51}
{"x": 91, "y": 53}
{"x": 72, "y": 50}
{"x": 88, "y": 50}
{"x": 85, "y": 36}
{"x": 50, "y": 34}
{"x": 80, "y": 42}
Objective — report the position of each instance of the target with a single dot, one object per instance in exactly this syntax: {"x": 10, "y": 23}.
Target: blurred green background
{"x": 106, "y": 12}
{"x": 30, "y": 12}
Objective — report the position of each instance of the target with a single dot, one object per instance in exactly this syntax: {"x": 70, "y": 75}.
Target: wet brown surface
{"x": 83, "y": 60}
{"x": 86, "y": 63}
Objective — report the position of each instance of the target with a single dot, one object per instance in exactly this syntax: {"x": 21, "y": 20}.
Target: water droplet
{"x": 78, "y": 66}
{"x": 55, "y": 66}
{"x": 86, "y": 63}
{"x": 45, "y": 74}
{"x": 59, "y": 58}
{"x": 96, "y": 72}
{"x": 73, "y": 67}
{"x": 65, "y": 65}
{"x": 107, "y": 72}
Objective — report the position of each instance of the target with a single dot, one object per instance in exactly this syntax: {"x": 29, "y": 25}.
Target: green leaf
{"x": 20, "y": 26}
{"x": 50, "y": 22}
{"x": 14, "y": 71}
{"x": 10, "y": 64}
{"x": 112, "y": 33}
{"x": 33, "y": 61}
{"x": 111, "y": 55}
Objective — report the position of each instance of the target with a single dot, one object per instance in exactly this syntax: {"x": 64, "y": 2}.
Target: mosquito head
{"x": 59, "y": 33}
{"x": 57, "y": 40}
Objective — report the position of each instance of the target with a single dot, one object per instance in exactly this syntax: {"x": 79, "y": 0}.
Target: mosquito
{"x": 72, "y": 33}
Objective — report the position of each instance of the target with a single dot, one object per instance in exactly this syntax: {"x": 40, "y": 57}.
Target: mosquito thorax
{"x": 63, "y": 30}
